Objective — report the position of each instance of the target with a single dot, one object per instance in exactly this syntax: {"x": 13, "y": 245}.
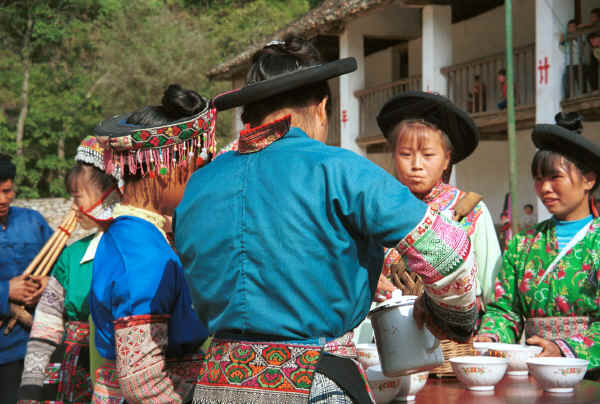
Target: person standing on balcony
{"x": 572, "y": 58}
{"x": 502, "y": 83}
{"x": 428, "y": 134}
{"x": 592, "y": 70}
{"x": 594, "y": 19}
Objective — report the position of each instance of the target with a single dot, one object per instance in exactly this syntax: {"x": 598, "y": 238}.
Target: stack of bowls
{"x": 557, "y": 374}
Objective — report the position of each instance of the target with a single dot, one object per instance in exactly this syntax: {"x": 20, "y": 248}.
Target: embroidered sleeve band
{"x": 440, "y": 252}
{"x": 49, "y": 324}
{"x": 565, "y": 349}
{"x": 141, "y": 342}
{"x": 46, "y": 333}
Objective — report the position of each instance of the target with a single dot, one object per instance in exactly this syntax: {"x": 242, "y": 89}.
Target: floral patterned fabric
{"x": 256, "y": 372}
{"x": 479, "y": 226}
{"x": 570, "y": 290}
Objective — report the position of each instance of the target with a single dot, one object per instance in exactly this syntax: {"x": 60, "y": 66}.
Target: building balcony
{"x": 371, "y": 100}
{"x": 475, "y": 87}
{"x": 582, "y": 77}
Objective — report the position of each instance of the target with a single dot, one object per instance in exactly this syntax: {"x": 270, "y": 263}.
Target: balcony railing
{"x": 474, "y": 85}
{"x": 372, "y": 99}
{"x": 582, "y": 74}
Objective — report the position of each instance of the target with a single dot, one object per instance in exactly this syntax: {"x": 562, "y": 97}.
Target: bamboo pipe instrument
{"x": 41, "y": 266}
{"x": 51, "y": 241}
{"x": 51, "y": 255}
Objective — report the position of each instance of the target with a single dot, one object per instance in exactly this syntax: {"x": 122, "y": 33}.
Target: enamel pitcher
{"x": 403, "y": 348}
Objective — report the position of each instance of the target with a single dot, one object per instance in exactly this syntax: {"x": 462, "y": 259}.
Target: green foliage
{"x": 89, "y": 59}
{"x": 239, "y": 23}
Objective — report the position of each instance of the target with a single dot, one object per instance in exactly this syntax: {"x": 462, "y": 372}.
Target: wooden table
{"x": 510, "y": 390}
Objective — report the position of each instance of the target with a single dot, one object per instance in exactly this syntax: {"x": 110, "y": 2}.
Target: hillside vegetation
{"x": 67, "y": 64}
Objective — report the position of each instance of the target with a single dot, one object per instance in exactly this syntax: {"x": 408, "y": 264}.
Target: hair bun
{"x": 179, "y": 103}
{"x": 280, "y": 57}
{"x": 570, "y": 120}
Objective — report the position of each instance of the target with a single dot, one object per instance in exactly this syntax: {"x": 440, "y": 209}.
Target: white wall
{"x": 484, "y": 35}
{"x": 486, "y": 172}
{"x": 378, "y": 68}
{"x": 391, "y": 22}
{"x": 415, "y": 56}
{"x": 237, "y": 82}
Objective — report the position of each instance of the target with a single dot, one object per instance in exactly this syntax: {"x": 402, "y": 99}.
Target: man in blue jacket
{"x": 23, "y": 232}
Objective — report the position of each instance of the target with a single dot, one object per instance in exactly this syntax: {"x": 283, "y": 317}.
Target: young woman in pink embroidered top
{"x": 428, "y": 134}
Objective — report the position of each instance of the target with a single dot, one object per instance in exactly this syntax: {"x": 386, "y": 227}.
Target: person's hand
{"x": 384, "y": 289}
{"x": 550, "y": 348}
{"x": 422, "y": 317}
{"x": 41, "y": 282}
{"x": 482, "y": 338}
{"x": 21, "y": 288}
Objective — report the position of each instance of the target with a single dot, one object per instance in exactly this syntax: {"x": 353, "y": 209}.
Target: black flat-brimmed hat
{"x": 435, "y": 109}
{"x": 261, "y": 90}
{"x": 570, "y": 144}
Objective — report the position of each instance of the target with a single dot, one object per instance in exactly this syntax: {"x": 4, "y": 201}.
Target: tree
{"x": 67, "y": 64}
{"x": 46, "y": 43}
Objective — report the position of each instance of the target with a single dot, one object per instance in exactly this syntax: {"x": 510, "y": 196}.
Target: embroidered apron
{"x": 552, "y": 328}
{"x": 271, "y": 372}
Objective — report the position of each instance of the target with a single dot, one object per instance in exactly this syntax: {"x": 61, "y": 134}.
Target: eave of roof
{"x": 327, "y": 18}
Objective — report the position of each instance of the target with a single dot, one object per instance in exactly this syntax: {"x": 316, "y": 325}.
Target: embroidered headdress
{"x": 435, "y": 109}
{"x": 90, "y": 151}
{"x": 155, "y": 149}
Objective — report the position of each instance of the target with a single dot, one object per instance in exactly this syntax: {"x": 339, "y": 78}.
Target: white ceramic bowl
{"x": 367, "y": 355}
{"x": 516, "y": 355}
{"x": 482, "y": 347}
{"x": 410, "y": 385}
{"x": 384, "y": 388}
{"x": 557, "y": 374}
{"x": 479, "y": 373}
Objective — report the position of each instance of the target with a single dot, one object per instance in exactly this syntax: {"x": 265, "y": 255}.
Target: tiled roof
{"x": 329, "y": 17}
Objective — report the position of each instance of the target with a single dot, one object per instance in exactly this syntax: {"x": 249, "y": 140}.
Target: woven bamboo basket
{"x": 412, "y": 284}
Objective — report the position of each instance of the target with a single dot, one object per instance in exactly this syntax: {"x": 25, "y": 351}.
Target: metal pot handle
{"x": 435, "y": 346}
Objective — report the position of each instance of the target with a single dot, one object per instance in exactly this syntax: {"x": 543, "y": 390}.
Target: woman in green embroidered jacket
{"x": 57, "y": 361}
{"x": 548, "y": 284}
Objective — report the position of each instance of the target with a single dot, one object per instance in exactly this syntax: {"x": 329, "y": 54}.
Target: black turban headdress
{"x": 435, "y": 109}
